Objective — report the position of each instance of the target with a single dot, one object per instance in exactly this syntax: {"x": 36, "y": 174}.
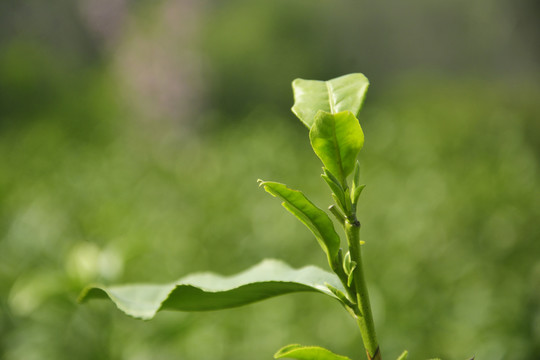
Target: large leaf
{"x": 308, "y": 213}
{"x": 208, "y": 291}
{"x": 300, "y": 352}
{"x": 337, "y": 139}
{"x": 345, "y": 93}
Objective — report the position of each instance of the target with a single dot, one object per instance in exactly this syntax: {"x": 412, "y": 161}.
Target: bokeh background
{"x": 132, "y": 134}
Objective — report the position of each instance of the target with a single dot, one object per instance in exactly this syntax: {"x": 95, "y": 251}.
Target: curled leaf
{"x": 310, "y": 215}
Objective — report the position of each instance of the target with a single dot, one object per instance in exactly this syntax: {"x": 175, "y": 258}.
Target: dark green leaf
{"x": 337, "y": 140}
{"x": 345, "y": 93}
{"x": 208, "y": 291}
{"x": 300, "y": 352}
{"x": 314, "y": 218}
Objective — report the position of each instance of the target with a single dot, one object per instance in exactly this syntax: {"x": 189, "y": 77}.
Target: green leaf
{"x": 337, "y": 140}
{"x": 208, "y": 291}
{"x": 300, "y": 352}
{"x": 356, "y": 194}
{"x": 345, "y": 93}
{"x": 337, "y": 190}
{"x": 314, "y": 218}
{"x": 356, "y": 176}
{"x": 340, "y": 295}
{"x": 403, "y": 355}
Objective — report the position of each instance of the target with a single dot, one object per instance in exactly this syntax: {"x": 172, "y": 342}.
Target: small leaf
{"x": 403, "y": 355}
{"x": 208, "y": 291}
{"x": 337, "y": 191}
{"x": 348, "y": 264}
{"x": 350, "y": 277}
{"x": 333, "y": 178}
{"x": 314, "y": 218}
{"x": 340, "y": 295}
{"x": 356, "y": 194}
{"x": 356, "y": 175}
{"x": 300, "y": 352}
{"x": 337, "y": 140}
{"x": 345, "y": 93}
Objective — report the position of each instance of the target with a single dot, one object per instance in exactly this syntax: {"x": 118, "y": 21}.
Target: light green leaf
{"x": 337, "y": 140}
{"x": 300, "y": 352}
{"x": 403, "y": 355}
{"x": 337, "y": 190}
{"x": 345, "y": 93}
{"x": 356, "y": 176}
{"x": 356, "y": 193}
{"x": 314, "y": 218}
{"x": 208, "y": 291}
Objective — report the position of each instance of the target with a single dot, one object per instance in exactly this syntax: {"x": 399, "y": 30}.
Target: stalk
{"x": 365, "y": 319}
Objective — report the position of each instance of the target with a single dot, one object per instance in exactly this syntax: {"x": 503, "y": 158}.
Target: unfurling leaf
{"x": 310, "y": 215}
{"x": 208, "y": 291}
{"x": 337, "y": 140}
{"x": 345, "y": 93}
{"x": 300, "y": 352}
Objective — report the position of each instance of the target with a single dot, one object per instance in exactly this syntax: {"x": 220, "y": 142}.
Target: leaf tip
{"x": 403, "y": 355}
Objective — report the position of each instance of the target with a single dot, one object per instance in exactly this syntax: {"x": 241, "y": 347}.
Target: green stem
{"x": 365, "y": 320}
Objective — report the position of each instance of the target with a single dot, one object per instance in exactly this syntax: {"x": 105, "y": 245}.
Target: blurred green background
{"x": 132, "y": 134}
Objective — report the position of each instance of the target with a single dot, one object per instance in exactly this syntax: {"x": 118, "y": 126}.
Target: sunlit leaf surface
{"x": 337, "y": 139}
{"x": 208, "y": 291}
{"x": 345, "y": 93}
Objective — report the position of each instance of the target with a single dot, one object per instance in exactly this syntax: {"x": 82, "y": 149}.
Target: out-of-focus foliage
{"x": 97, "y": 185}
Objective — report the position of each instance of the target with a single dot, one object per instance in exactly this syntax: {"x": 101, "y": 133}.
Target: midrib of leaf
{"x": 330, "y": 99}
{"x": 340, "y": 163}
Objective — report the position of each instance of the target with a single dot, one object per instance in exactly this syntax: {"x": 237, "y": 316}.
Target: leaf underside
{"x": 345, "y": 93}
{"x": 208, "y": 291}
{"x": 300, "y": 352}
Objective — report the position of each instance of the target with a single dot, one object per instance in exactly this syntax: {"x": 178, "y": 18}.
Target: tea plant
{"x": 328, "y": 109}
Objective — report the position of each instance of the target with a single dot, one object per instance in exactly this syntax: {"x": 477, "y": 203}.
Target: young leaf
{"x": 337, "y": 140}
{"x": 348, "y": 267}
{"x": 340, "y": 295}
{"x": 208, "y": 291}
{"x": 345, "y": 93}
{"x": 403, "y": 355}
{"x": 356, "y": 175}
{"x": 300, "y": 352}
{"x": 357, "y": 191}
{"x": 314, "y": 218}
{"x": 337, "y": 190}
